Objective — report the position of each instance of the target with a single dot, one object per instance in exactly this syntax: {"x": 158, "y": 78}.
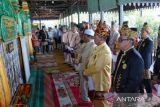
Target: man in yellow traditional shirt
{"x": 99, "y": 68}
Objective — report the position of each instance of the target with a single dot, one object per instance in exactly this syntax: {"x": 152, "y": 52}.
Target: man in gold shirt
{"x": 99, "y": 68}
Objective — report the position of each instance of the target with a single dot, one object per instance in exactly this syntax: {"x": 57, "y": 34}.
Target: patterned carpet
{"x": 52, "y": 63}
{"x": 47, "y": 63}
{"x": 61, "y": 84}
{"x": 66, "y": 85}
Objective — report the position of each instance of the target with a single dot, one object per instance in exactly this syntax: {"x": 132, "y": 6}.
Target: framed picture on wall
{"x": 12, "y": 64}
{"x": 24, "y": 45}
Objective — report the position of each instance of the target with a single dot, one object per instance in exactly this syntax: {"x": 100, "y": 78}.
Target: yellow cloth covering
{"x": 30, "y": 45}
{"x": 5, "y": 94}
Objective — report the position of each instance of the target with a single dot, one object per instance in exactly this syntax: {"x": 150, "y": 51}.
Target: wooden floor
{"x": 58, "y": 55}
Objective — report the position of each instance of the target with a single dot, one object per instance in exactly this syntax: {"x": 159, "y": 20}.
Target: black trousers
{"x": 45, "y": 48}
{"x": 148, "y": 86}
{"x": 56, "y": 42}
{"x": 36, "y": 49}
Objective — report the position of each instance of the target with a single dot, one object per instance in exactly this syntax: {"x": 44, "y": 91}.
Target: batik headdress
{"x": 128, "y": 33}
{"x": 101, "y": 31}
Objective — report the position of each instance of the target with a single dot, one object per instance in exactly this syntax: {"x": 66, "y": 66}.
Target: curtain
{"x": 92, "y": 6}
{"x": 98, "y": 5}
{"x": 106, "y": 5}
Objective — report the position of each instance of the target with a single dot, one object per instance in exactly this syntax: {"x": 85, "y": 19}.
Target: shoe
{"x": 71, "y": 65}
{"x": 86, "y": 100}
{"x": 148, "y": 99}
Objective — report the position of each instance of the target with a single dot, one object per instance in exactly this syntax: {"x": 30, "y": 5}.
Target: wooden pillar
{"x": 102, "y": 16}
{"x": 69, "y": 20}
{"x": 90, "y": 17}
{"x": 78, "y": 12}
{"x": 141, "y": 12}
{"x": 59, "y": 20}
{"x": 63, "y": 18}
{"x": 121, "y": 15}
{"x": 71, "y": 14}
{"x": 40, "y": 24}
{"x": 65, "y": 22}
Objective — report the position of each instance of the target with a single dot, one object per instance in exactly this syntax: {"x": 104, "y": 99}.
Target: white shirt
{"x": 50, "y": 34}
{"x": 85, "y": 53}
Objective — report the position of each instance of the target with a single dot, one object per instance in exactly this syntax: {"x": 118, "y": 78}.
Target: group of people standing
{"x": 70, "y": 42}
{"x": 107, "y": 59}
{"x": 45, "y": 41}
{"x": 88, "y": 52}
{"x": 94, "y": 60}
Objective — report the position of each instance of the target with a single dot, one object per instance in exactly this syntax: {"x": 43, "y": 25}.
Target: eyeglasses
{"x": 121, "y": 40}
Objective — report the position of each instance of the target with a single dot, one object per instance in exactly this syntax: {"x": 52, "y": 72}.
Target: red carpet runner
{"x": 66, "y": 88}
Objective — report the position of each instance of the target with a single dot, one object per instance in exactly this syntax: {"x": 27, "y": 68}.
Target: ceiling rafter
{"x": 45, "y": 8}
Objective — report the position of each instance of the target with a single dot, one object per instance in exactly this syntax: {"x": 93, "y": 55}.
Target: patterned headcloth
{"x": 133, "y": 35}
{"x": 123, "y": 28}
{"x": 128, "y": 33}
{"x": 101, "y": 31}
{"x": 125, "y": 24}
